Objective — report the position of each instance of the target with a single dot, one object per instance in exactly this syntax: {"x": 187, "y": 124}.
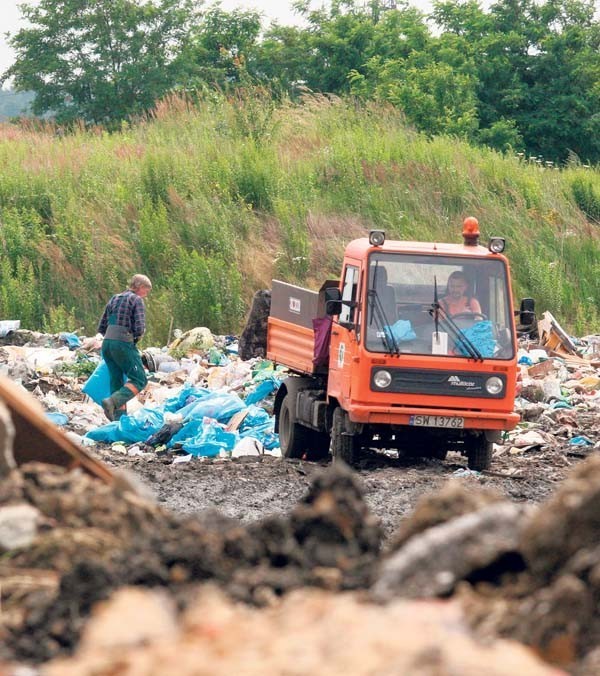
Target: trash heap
{"x": 202, "y": 400}
{"x": 558, "y": 398}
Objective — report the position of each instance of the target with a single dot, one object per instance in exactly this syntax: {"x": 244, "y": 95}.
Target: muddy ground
{"x": 254, "y": 487}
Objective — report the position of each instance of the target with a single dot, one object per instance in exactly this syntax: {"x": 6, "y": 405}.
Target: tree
{"x": 223, "y": 46}
{"x": 537, "y": 68}
{"x": 338, "y": 41}
{"x": 563, "y": 114}
{"x": 280, "y": 59}
{"x": 432, "y": 79}
{"x": 99, "y": 61}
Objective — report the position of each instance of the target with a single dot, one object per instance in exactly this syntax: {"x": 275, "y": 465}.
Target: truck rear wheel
{"x": 344, "y": 446}
{"x": 479, "y": 453}
{"x": 293, "y": 437}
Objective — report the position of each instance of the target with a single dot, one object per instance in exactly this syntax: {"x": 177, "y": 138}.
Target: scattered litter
{"x": 182, "y": 458}
{"x": 581, "y": 441}
{"x": 9, "y": 325}
{"x": 59, "y": 419}
{"x": 464, "y": 472}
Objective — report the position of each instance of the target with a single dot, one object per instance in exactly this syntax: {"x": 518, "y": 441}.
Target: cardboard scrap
{"x": 236, "y": 420}
{"x": 541, "y": 369}
{"x": 554, "y": 337}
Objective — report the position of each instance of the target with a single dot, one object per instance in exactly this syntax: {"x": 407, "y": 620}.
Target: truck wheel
{"x": 293, "y": 437}
{"x": 344, "y": 447}
{"x": 479, "y": 454}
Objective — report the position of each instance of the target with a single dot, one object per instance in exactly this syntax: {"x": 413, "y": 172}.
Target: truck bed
{"x": 290, "y": 333}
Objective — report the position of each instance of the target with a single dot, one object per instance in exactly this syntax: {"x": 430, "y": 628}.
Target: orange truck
{"x": 414, "y": 348}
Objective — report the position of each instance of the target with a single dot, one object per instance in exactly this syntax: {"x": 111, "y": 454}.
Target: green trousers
{"x": 124, "y": 362}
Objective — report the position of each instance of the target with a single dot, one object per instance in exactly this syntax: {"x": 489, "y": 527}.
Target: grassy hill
{"x": 213, "y": 199}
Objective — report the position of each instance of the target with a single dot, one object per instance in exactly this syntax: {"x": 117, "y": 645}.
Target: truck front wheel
{"x": 293, "y": 437}
{"x": 344, "y": 445}
{"x": 479, "y": 453}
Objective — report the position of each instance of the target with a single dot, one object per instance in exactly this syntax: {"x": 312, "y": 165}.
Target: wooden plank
{"x": 37, "y": 439}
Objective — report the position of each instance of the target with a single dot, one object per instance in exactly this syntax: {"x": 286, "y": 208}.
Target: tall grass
{"x": 213, "y": 197}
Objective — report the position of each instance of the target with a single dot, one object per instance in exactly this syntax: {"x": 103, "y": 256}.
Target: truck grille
{"x": 447, "y": 383}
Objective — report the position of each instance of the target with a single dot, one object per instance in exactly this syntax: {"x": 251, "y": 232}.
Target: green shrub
{"x": 587, "y": 195}
{"x": 206, "y": 292}
{"x": 19, "y": 294}
{"x": 59, "y": 319}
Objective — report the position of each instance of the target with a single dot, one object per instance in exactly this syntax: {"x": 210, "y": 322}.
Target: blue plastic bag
{"x": 580, "y": 441}
{"x": 263, "y": 390}
{"x": 59, "y": 419}
{"x": 97, "y": 386}
{"x": 108, "y": 433}
{"x": 187, "y": 395}
{"x": 142, "y": 424}
{"x": 190, "y": 430}
{"x": 481, "y": 335}
{"x": 211, "y": 441}
{"x": 130, "y": 428}
{"x": 258, "y": 424}
{"x": 255, "y": 416}
{"x": 71, "y": 339}
{"x": 220, "y": 406}
{"x": 400, "y": 331}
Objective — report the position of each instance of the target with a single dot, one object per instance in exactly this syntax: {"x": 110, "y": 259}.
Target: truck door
{"x": 344, "y": 336}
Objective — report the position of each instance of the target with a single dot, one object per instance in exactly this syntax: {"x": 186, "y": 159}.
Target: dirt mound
{"x": 309, "y": 632}
{"x": 450, "y": 501}
{"x": 531, "y": 574}
{"x": 96, "y": 539}
{"x": 521, "y": 572}
{"x": 553, "y": 604}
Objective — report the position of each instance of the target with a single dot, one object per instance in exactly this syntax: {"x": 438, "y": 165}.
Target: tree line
{"x": 522, "y": 75}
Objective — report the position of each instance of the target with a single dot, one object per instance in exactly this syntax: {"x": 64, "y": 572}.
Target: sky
{"x": 279, "y": 10}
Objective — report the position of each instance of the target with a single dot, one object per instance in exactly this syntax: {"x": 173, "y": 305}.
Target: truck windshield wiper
{"x": 378, "y": 312}
{"x": 447, "y": 321}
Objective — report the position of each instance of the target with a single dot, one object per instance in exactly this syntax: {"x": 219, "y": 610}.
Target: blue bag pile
{"x": 204, "y": 415}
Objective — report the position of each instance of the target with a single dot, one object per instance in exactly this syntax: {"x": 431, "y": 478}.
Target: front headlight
{"x": 494, "y": 385}
{"x": 382, "y": 379}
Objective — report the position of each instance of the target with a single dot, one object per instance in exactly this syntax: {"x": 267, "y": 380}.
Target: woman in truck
{"x": 458, "y": 300}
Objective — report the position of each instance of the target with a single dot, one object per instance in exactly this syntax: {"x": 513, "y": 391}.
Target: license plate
{"x": 437, "y": 421}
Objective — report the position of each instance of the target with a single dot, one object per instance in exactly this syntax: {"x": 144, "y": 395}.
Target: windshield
{"x": 442, "y": 305}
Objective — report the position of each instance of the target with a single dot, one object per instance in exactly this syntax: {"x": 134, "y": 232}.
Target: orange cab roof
{"x": 358, "y": 248}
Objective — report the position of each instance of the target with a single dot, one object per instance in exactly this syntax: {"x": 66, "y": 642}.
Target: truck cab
{"x": 422, "y": 353}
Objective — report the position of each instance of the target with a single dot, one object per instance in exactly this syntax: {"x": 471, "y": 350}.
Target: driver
{"x": 457, "y": 299}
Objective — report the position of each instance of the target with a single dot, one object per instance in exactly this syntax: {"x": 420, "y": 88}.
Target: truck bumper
{"x": 478, "y": 420}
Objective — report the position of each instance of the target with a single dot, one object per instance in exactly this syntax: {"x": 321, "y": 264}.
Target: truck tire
{"x": 479, "y": 454}
{"x": 293, "y": 437}
{"x": 344, "y": 446}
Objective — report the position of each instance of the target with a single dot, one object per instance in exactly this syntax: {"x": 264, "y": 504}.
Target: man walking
{"x": 122, "y": 324}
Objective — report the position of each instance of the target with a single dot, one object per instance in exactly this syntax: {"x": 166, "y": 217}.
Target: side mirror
{"x": 527, "y": 312}
{"x": 333, "y": 301}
